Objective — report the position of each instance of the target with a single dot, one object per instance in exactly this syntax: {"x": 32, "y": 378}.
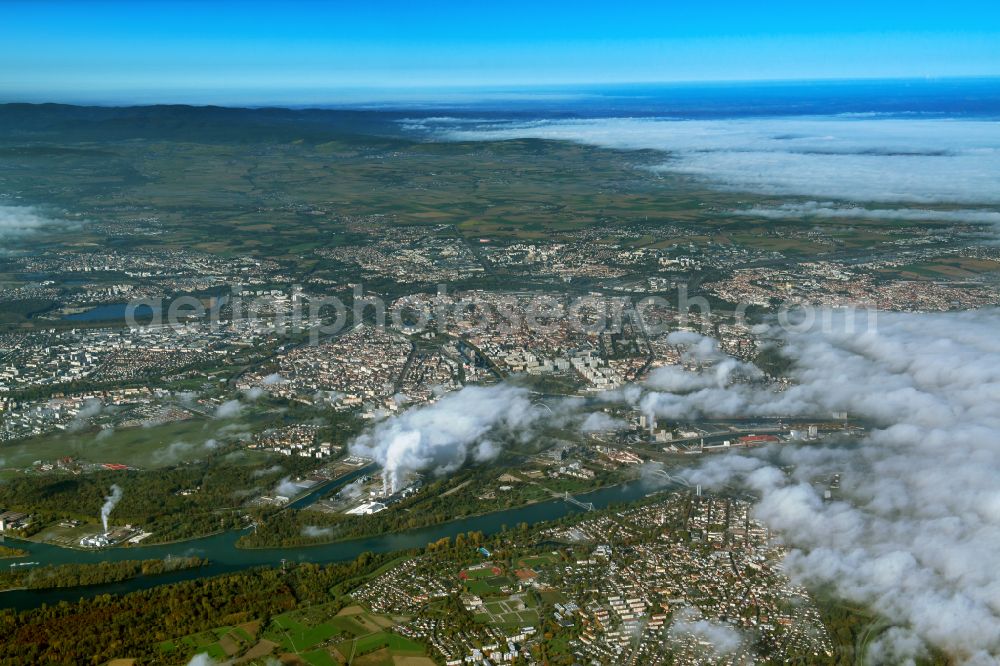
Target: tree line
{"x": 96, "y": 630}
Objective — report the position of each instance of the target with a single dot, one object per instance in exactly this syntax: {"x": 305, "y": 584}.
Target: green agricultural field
{"x": 357, "y": 625}
{"x": 319, "y": 658}
{"x": 296, "y": 636}
{"x": 207, "y": 642}
{"x": 947, "y": 268}
{"x": 221, "y": 182}
{"x": 314, "y": 632}
{"x": 220, "y": 643}
{"x": 379, "y": 648}
{"x": 394, "y": 642}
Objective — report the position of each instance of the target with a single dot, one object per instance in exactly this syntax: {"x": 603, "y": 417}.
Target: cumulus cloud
{"x": 235, "y": 431}
{"x": 914, "y": 532}
{"x": 229, "y": 409}
{"x": 866, "y": 159}
{"x": 316, "y": 532}
{"x": 330, "y": 397}
{"x": 180, "y": 449}
{"x": 254, "y": 393}
{"x": 444, "y": 435}
{"x": 273, "y": 469}
{"x": 655, "y": 476}
{"x": 711, "y": 366}
{"x": 601, "y": 422}
{"x": 273, "y": 379}
{"x": 20, "y": 222}
{"x": 91, "y": 407}
{"x": 719, "y": 639}
{"x": 172, "y": 452}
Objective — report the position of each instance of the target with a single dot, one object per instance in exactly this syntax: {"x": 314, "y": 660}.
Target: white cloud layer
{"x": 916, "y": 533}
{"x": 833, "y": 211}
{"x": 853, "y": 159}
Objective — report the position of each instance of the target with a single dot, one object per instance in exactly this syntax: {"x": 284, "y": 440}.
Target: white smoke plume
{"x": 90, "y": 408}
{"x": 202, "y": 659}
{"x": 915, "y": 530}
{"x": 109, "y": 504}
{"x": 352, "y": 490}
{"x": 286, "y": 488}
{"x": 442, "y": 436}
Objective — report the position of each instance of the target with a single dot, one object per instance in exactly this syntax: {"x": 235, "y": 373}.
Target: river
{"x": 220, "y": 549}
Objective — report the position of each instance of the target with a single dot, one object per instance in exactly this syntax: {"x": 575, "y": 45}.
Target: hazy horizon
{"x": 529, "y": 95}
{"x": 115, "y": 51}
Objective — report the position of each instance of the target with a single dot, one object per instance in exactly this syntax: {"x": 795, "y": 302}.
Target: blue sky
{"x": 310, "y": 51}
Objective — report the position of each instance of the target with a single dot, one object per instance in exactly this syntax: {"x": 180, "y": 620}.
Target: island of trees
{"x": 76, "y": 575}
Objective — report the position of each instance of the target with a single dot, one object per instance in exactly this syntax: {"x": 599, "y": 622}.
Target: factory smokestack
{"x": 109, "y": 503}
